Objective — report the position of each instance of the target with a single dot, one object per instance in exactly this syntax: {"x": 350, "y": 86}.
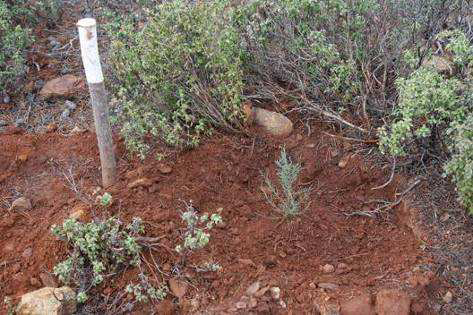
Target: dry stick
{"x": 390, "y": 177}
{"x": 93, "y": 71}
{"x": 387, "y": 206}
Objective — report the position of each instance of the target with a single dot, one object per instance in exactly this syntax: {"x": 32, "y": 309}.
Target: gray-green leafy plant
{"x": 285, "y": 197}
{"x": 98, "y": 249}
{"x": 196, "y": 232}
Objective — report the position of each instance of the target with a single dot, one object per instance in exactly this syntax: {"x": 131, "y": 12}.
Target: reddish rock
{"x": 64, "y": 86}
{"x": 360, "y": 305}
{"x": 392, "y": 302}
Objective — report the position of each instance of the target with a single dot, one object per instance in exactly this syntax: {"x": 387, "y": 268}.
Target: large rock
{"x": 48, "y": 301}
{"x": 360, "y": 305}
{"x": 22, "y": 204}
{"x": 392, "y": 302}
{"x": 274, "y": 123}
{"x": 61, "y": 87}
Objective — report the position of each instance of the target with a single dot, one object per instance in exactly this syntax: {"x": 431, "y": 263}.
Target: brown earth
{"x": 59, "y": 174}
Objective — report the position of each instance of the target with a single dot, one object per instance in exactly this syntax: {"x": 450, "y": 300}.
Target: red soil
{"x": 225, "y": 172}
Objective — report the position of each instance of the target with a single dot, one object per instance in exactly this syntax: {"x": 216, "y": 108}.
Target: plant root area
{"x": 322, "y": 256}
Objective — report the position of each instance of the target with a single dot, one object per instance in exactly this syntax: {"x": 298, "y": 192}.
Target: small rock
{"x": 275, "y": 293}
{"x": 141, "y": 182}
{"x": 240, "y": 305}
{"x": 79, "y": 212}
{"x": 19, "y": 122}
{"x": 27, "y": 253}
{"x": 35, "y": 282}
{"x": 51, "y": 301}
{"x": 282, "y": 304}
{"x": 65, "y": 114}
{"x": 328, "y": 268}
{"x": 48, "y": 280}
{"x": 21, "y": 203}
{"x": 3, "y": 123}
{"x": 360, "y": 305}
{"x": 178, "y": 287}
{"x": 70, "y": 105}
{"x": 51, "y": 127}
{"x": 164, "y": 169}
{"x": 448, "y": 297}
{"x": 6, "y": 99}
{"x": 392, "y": 302}
{"x": 63, "y": 86}
{"x": 343, "y": 162}
{"x": 22, "y": 157}
{"x": 327, "y": 286}
{"x": 274, "y": 123}
{"x": 253, "y": 303}
{"x": 253, "y": 288}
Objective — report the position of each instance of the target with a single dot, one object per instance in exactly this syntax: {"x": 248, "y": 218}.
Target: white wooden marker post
{"x": 98, "y": 95}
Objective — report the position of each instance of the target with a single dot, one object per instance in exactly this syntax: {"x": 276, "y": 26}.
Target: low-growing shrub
{"x": 179, "y": 76}
{"x": 15, "y": 39}
{"x": 286, "y": 199}
{"x": 17, "y": 17}
{"x": 98, "y": 249}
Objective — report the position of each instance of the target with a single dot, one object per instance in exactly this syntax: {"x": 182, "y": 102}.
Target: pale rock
{"x": 141, "y": 182}
{"x": 360, "y": 305}
{"x": 64, "y": 86}
{"x": 253, "y": 288}
{"x": 274, "y": 123}
{"x": 328, "y": 268}
{"x": 275, "y": 293}
{"x": 448, "y": 297}
{"x": 392, "y": 302}
{"x": 48, "y": 301}
{"x": 21, "y": 203}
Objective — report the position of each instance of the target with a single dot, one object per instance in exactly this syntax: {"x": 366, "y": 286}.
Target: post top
{"x": 87, "y": 22}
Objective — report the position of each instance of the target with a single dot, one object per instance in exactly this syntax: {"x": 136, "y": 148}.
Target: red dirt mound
{"x": 59, "y": 174}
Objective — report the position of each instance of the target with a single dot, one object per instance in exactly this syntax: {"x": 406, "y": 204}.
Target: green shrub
{"x": 460, "y": 166}
{"x": 16, "y": 19}
{"x": 428, "y": 103}
{"x": 15, "y": 39}
{"x": 288, "y": 200}
{"x": 299, "y": 49}
{"x": 435, "y": 113}
{"x": 178, "y": 77}
{"x": 99, "y": 248}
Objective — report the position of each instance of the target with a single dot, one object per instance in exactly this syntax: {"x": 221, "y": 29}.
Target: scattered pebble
{"x": 448, "y": 297}
{"x": 70, "y": 105}
{"x": 240, "y": 305}
{"x": 275, "y": 293}
{"x": 328, "y": 286}
{"x": 252, "y": 289}
{"x": 328, "y": 268}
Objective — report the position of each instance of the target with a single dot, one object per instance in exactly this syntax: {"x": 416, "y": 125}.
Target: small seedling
{"x": 288, "y": 200}
{"x": 106, "y": 200}
{"x": 196, "y": 236}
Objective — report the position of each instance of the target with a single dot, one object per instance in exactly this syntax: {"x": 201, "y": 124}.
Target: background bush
{"x": 179, "y": 76}
{"x": 17, "y": 17}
